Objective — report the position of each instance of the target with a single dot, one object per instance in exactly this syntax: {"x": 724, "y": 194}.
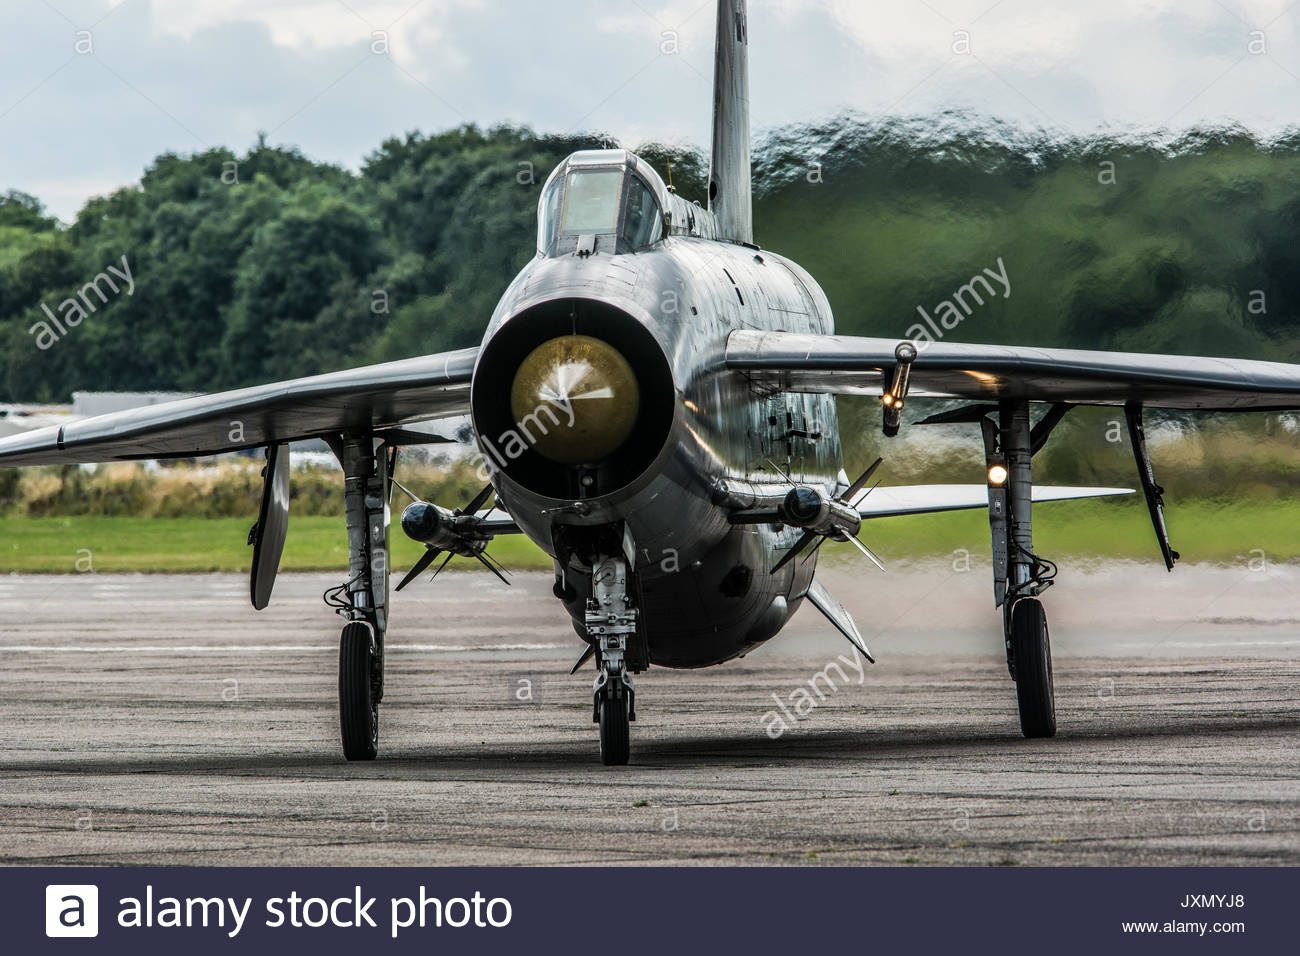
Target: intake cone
{"x": 575, "y": 400}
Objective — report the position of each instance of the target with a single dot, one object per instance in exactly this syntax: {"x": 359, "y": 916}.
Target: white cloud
{"x": 176, "y": 74}
{"x": 293, "y": 22}
{"x": 1078, "y": 67}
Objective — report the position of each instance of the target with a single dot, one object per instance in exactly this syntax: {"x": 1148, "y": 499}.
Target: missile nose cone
{"x": 575, "y": 399}
{"x": 420, "y": 521}
{"x": 802, "y": 504}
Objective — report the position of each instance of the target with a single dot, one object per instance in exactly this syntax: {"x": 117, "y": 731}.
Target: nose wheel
{"x": 613, "y": 713}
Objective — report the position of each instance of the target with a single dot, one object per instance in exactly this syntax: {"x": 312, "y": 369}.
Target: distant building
{"x": 24, "y": 416}
{"x": 90, "y": 404}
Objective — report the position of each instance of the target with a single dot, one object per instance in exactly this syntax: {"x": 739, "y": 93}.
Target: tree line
{"x": 266, "y": 265}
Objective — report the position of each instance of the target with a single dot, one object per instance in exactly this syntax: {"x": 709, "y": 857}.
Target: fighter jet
{"x": 654, "y": 404}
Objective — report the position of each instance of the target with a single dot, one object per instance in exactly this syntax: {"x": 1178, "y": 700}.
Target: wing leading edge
{"x": 848, "y": 364}
{"x": 892, "y": 501}
{"x": 366, "y": 398}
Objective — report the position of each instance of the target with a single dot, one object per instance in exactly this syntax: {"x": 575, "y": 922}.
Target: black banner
{"x": 658, "y": 911}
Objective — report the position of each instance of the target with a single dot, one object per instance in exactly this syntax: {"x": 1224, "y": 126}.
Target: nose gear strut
{"x": 611, "y": 622}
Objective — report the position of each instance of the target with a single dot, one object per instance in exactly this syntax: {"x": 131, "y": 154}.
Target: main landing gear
{"x": 1019, "y": 575}
{"x": 363, "y": 598}
{"x": 611, "y": 623}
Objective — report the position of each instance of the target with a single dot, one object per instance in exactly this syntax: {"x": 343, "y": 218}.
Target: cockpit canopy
{"x": 609, "y": 194}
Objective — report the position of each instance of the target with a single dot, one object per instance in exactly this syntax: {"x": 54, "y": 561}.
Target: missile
{"x": 812, "y": 510}
{"x": 444, "y": 530}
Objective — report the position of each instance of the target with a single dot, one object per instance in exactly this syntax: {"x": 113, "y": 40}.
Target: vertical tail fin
{"x": 730, "y": 197}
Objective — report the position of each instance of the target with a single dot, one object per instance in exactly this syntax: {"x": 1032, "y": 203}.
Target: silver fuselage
{"x": 704, "y": 586}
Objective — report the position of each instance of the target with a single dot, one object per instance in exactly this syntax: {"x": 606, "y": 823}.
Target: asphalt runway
{"x": 159, "y": 720}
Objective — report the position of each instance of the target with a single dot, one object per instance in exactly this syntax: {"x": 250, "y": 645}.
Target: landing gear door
{"x": 1146, "y": 474}
{"x": 267, "y": 536}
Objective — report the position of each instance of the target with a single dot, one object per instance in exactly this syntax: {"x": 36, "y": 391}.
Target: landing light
{"x": 997, "y": 474}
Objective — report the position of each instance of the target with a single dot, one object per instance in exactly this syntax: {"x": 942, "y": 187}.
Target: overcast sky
{"x": 81, "y": 114}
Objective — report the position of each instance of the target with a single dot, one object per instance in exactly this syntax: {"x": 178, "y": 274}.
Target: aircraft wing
{"x": 371, "y": 397}
{"x": 849, "y": 364}
{"x": 890, "y": 502}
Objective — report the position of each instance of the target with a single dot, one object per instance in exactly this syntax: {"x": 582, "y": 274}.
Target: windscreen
{"x": 591, "y": 198}
{"x": 642, "y": 222}
{"x": 549, "y": 216}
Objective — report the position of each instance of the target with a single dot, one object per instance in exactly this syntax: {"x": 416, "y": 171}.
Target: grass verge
{"x": 315, "y": 543}
{"x": 1204, "y": 531}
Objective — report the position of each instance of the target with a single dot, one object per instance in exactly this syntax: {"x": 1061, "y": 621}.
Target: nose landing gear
{"x": 611, "y": 623}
